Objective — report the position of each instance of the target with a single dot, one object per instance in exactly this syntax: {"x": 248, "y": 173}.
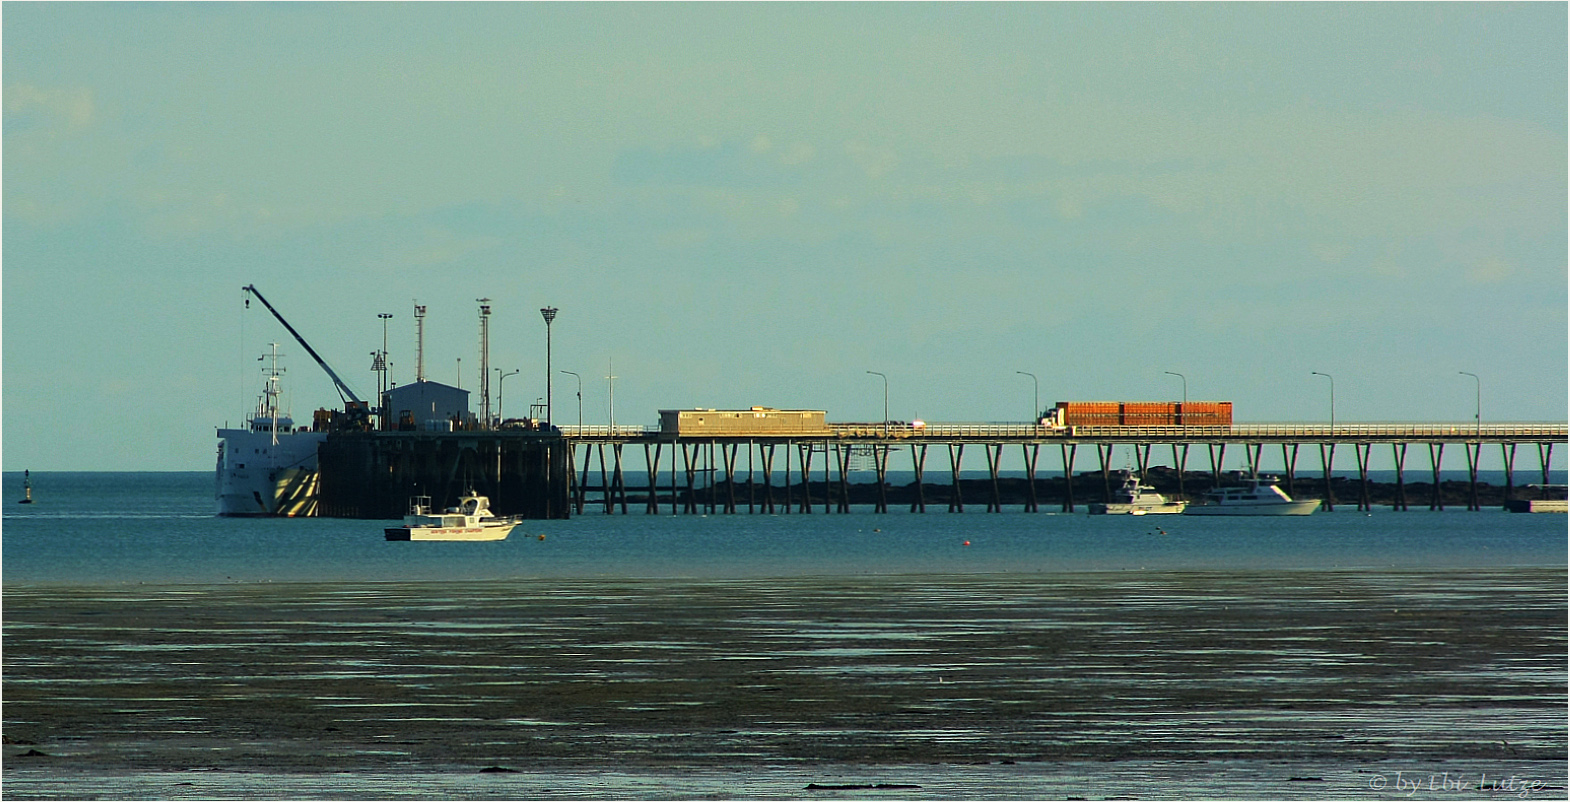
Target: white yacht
{"x": 470, "y": 520}
{"x": 1257, "y": 497}
{"x": 268, "y": 468}
{"x": 1134, "y": 498}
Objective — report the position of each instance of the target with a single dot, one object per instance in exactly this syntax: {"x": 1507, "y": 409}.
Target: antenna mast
{"x": 419, "y": 343}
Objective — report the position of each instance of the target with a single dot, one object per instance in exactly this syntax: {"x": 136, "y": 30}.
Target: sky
{"x": 755, "y": 204}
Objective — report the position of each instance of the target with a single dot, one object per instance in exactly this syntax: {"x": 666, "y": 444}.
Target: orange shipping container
{"x": 1145, "y": 413}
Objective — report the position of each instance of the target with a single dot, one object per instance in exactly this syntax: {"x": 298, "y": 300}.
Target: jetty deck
{"x": 716, "y": 456}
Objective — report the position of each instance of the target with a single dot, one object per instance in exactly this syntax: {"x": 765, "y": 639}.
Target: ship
{"x": 472, "y": 519}
{"x": 1134, "y": 498}
{"x": 1259, "y": 497}
{"x": 268, "y": 469}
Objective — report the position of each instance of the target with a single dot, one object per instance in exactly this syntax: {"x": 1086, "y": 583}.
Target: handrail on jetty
{"x": 1015, "y": 432}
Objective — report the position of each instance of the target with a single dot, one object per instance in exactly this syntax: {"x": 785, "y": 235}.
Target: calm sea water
{"x": 94, "y": 528}
{"x": 1362, "y": 735}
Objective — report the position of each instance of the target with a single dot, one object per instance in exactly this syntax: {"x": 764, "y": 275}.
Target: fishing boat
{"x": 470, "y": 520}
{"x": 1134, "y": 498}
{"x": 1257, "y": 497}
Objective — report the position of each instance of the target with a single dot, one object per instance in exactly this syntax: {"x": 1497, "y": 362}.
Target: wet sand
{"x": 1327, "y": 678}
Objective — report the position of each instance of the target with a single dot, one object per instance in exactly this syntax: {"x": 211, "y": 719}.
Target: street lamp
{"x": 1479, "y": 404}
{"x": 501, "y": 379}
{"x": 549, "y": 313}
{"x": 610, "y": 381}
{"x": 580, "y": 399}
{"x": 381, "y": 395}
{"x": 1332, "y": 399}
{"x": 885, "y": 401}
{"x": 1035, "y": 414}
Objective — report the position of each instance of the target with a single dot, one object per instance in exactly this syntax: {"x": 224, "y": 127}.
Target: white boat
{"x": 1134, "y": 498}
{"x": 1257, "y": 497}
{"x": 470, "y": 520}
{"x": 268, "y": 468}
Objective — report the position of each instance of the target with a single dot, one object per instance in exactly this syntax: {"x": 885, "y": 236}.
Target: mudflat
{"x": 1333, "y": 668}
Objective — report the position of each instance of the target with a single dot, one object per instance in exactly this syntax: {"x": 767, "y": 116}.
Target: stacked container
{"x": 1144, "y": 413}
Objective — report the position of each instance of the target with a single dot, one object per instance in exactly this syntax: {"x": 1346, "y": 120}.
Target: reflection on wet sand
{"x": 1029, "y": 672}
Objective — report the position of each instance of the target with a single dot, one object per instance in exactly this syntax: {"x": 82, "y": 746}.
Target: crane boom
{"x": 343, "y": 389}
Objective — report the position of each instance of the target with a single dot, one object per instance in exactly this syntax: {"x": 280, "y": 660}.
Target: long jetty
{"x": 718, "y": 457}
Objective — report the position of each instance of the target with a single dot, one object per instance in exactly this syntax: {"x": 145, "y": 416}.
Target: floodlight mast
{"x": 419, "y": 343}
{"x": 346, "y": 394}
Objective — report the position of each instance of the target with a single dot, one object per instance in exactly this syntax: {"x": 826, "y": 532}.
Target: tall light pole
{"x": 885, "y": 401}
{"x": 610, "y": 380}
{"x": 1035, "y": 413}
{"x": 419, "y": 343}
{"x": 501, "y": 379}
{"x": 485, "y": 360}
{"x": 1479, "y": 404}
{"x": 1332, "y": 399}
{"x": 580, "y": 399}
{"x": 549, "y": 313}
{"x": 381, "y": 395}
{"x": 1185, "y": 393}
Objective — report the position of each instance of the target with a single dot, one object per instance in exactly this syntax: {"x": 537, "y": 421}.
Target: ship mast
{"x": 268, "y": 407}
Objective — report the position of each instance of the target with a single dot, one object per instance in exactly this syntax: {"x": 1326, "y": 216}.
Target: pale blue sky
{"x": 755, "y": 204}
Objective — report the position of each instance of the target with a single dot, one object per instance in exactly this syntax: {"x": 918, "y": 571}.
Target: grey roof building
{"x": 432, "y": 405}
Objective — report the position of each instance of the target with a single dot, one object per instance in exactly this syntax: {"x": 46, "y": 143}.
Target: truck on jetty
{"x": 1068, "y": 414}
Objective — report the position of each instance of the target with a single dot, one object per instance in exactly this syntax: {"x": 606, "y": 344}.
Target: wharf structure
{"x": 710, "y": 443}
{"x": 373, "y": 474}
{"x": 743, "y": 456}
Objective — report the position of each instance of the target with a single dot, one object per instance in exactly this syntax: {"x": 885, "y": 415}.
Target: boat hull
{"x": 1236, "y": 508}
{"x": 262, "y": 479}
{"x": 1167, "y": 508}
{"x": 458, "y": 533}
{"x": 1538, "y": 505}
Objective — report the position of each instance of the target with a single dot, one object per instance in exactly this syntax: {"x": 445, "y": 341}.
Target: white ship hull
{"x": 481, "y": 532}
{"x": 269, "y": 468}
{"x": 257, "y": 477}
{"x": 1244, "y": 508}
{"x": 1259, "y": 496}
{"x": 1162, "y": 508}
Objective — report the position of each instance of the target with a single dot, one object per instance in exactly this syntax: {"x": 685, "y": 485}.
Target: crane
{"x": 351, "y": 401}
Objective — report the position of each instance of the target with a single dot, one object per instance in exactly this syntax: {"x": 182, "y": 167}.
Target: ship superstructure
{"x": 268, "y": 468}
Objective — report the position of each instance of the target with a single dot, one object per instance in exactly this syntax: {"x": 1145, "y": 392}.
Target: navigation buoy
{"x": 27, "y": 488}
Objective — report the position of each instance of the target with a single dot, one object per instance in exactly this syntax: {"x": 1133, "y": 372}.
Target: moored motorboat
{"x": 1134, "y": 498}
{"x": 1256, "y": 497}
{"x": 470, "y": 520}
